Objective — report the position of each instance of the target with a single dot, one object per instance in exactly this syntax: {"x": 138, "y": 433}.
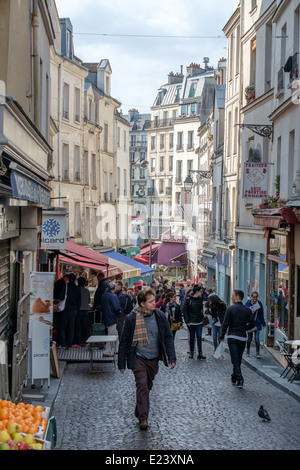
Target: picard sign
{"x": 255, "y": 180}
{"x": 54, "y": 234}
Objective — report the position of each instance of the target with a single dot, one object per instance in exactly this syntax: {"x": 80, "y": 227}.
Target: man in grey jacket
{"x": 238, "y": 320}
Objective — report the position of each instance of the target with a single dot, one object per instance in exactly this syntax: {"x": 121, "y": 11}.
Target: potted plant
{"x": 281, "y": 202}
{"x": 250, "y": 93}
{"x": 265, "y": 204}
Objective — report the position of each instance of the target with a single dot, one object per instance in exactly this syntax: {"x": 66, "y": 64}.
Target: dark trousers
{"x": 81, "y": 331}
{"x": 196, "y": 330}
{"x": 144, "y": 372}
{"x": 236, "y": 349}
{"x": 68, "y": 319}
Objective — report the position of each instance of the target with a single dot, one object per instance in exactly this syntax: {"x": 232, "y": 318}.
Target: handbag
{"x": 176, "y": 326}
{"x": 61, "y": 305}
{"x": 205, "y": 320}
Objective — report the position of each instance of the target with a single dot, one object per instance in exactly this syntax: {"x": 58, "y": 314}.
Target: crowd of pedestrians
{"x": 146, "y": 319}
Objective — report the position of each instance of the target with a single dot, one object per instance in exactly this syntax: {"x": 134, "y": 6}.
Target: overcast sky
{"x": 112, "y": 29}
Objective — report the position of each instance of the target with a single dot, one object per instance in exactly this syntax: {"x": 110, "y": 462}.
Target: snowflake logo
{"x": 51, "y": 228}
{"x": 46, "y": 344}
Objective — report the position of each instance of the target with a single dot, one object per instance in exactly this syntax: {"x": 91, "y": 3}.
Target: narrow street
{"x": 193, "y": 407}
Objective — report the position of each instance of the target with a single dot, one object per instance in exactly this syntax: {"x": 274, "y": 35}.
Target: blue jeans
{"x": 236, "y": 348}
{"x": 216, "y": 335}
{"x": 256, "y": 337}
{"x": 196, "y": 330}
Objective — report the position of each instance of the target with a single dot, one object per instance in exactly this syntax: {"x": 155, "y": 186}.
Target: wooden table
{"x": 100, "y": 340}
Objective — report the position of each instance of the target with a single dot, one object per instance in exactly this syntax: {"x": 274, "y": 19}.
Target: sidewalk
{"x": 268, "y": 367}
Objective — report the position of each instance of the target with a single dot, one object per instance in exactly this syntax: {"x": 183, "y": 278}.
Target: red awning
{"x": 142, "y": 260}
{"x": 81, "y": 256}
{"x": 146, "y": 250}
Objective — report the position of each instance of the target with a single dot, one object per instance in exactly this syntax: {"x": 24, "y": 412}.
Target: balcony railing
{"x": 159, "y": 123}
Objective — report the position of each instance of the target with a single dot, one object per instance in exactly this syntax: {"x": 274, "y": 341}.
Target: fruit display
{"x": 22, "y": 426}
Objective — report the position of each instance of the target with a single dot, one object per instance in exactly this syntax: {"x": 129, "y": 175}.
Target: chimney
{"x": 194, "y": 69}
{"x": 206, "y": 62}
{"x": 175, "y": 78}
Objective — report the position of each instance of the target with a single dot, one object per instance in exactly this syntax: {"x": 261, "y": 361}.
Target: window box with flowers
{"x": 250, "y": 93}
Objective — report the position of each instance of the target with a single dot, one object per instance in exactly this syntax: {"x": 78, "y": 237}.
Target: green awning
{"x": 130, "y": 251}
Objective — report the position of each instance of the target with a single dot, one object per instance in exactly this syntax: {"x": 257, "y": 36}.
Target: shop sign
{"x": 54, "y": 232}
{"x": 24, "y": 187}
{"x": 255, "y": 180}
{"x": 41, "y": 298}
{"x": 268, "y": 221}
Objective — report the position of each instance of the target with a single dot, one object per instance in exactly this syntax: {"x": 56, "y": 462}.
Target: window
{"x": 166, "y": 117}
{"x": 105, "y": 138}
{"x": 125, "y": 140}
{"x": 76, "y": 163}
{"x": 180, "y": 141}
{"x": 171, "y": 140}
{"x": 94, "y": 171}
{"x": 66, "y": 93}
{"x": 77, "y": 218}
{"x": 192, "y": 90}
{"x": 189, "y": 166}
{"x": 179, "y": 171}
{"x": 105, "y": 195}
{"x": 65, "y": 174}
{"x": 162, "y": 164}
{"x": 190, "y": 140}
{"x": 77, "y": 105}
{"x": 171, "y": 159}
{"x": 86, "y": 168}
{"x": 253, "y": 4}
{"x": 153, "y": 142}
{"x": 152, "y": 164}
{"x": 253, "y": 62}
{"x": 162, "y": 141}
{"x": 125, "y": 182}
{"x": 119, "y": 137}
{"x": 111, "y": 186}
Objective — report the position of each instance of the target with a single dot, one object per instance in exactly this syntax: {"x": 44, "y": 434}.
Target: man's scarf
{"x": 140, "y": 336}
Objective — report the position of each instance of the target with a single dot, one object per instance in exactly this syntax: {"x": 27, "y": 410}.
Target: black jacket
{"x": 193, "y": 309}
{"x": 217, "y": 312}
{"x": 174, "y": 310}
{"x": 73, "y": 299}
{"x": 127, "y": 352}
{"x": 238, "y": 319}
{"x": 102, "y": 286}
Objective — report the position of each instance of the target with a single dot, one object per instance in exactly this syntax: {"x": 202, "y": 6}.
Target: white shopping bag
{"x": 220, "y": 351}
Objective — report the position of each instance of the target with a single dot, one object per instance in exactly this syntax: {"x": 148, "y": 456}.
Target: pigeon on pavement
{"x": 263, "y": 414}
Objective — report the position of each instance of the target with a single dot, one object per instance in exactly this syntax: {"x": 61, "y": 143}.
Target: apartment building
{"x": 261, "y": 163}
{"x": 140, "y": 184}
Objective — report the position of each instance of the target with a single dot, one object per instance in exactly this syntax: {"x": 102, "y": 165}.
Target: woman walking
{"x": 217, "y": 309}
{"x": 193, "y": 317}
{"x": 173, "y": 312}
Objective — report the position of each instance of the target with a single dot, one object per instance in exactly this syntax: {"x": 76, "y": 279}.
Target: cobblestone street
{"x": 193, "y": 407}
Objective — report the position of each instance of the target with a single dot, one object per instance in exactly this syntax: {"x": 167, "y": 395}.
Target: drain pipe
{"x": 36, "y": 64}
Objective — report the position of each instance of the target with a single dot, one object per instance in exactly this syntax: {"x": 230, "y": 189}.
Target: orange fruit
{"x": 33, "y": 429}
{"x": 4, "y": 413}
{"x": 39, "y": 408}
{"x": 31, "y": 409}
